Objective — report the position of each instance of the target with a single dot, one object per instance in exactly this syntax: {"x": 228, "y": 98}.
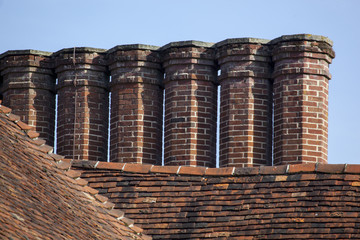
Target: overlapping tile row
{"x": 42, "y": 199}
{"x": 183, "y": 77}
{"x": 304, "y": 201}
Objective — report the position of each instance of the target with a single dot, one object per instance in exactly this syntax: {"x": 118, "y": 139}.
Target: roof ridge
{"x": 225, "y": 171}
{"x": 65, "y": 164}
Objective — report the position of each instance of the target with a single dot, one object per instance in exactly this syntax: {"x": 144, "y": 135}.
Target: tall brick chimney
{"x": 190, "y": 104}
{"x": 301, "y": 75}
{"x": 246, "y": 102}
{"x": 86, "y": 78}
{"x": 136, "y": 104}
{"x": 28, "y": 87}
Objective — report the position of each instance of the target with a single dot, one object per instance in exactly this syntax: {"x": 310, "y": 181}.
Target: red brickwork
{"x": 28, "y": 87}
{"x": 246, "y": 103}
{"x": 190, "y": 104}
{"x": 288, "y": 76}
{"x": 136, "y": 104}
{"x": 88, "y": 80}
{"x": 301, "y": 75}
{"x": 303, "y": 201}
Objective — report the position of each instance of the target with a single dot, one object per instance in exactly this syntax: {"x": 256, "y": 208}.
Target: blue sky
{"x": 50, "y": 25}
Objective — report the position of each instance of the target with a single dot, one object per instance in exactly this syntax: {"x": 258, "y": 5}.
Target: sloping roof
{"x": 307, "y": 201}
{"x": 40, "y": 199}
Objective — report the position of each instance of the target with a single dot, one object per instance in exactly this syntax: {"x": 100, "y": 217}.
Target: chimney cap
{"x": 241, "y": 40}
{"x": 25, "y": 52}
{"x": 132, "y": 47}
{"x": 302, "y": 37}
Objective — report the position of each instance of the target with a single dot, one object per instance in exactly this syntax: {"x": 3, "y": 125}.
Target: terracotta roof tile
{"x": 39, "y": 141}
{"x": 64, "y": 165}
{"x": 13, "y": 117}
{"x": 73, "y": 174}
{"x": 137, "y": 168}
{"x": 33, "y": 134}
{"x": 273, "y": 169}
{"x": 192, "y": 170}
{"x": 307, "y": 167}
{"x": 106, "y": 165}
{"x": 330, "y": 168}
{"x": 165, "y": 169}
{"x": 117, "y": 213}
{"x": 56, "y": 157}
{"x": 23, "y": 125}
{"x": 246, "y": 171}
{"x": 36, "y": 193}
{"x": 4, "y": 109}
{"x": 352, "y": 168}
{"x": 85, "y": 164}
{"x": 220, "y": 171}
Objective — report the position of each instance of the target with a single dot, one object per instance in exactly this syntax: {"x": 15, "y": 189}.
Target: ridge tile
{"x": 137, "y": 168}
{"x": 165, "y": 169}
{"x": 110, "y": 165}
{"x": 199, "y": 171}
{"x": 330, "y": 168}
{"x": 227, "y": 171}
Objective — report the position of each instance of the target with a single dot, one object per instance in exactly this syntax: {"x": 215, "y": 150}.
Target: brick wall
{"x": 287, "y": 76}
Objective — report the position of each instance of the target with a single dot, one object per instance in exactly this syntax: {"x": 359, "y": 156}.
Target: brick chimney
{"x": 28, "y": 87}
{"x": 86, "y": 78}
{"x": 190, "y": 104}
{"x": 246, "y": 102}
{"x": 136, "y": 104}
{"x": 273, "y": 103}
{"x": 301, "y": 77}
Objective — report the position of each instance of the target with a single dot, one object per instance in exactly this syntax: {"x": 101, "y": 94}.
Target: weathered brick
{"x": 137, "y": 99}
{"x": 246, "y": 103}
{"x": 190, "y": 104}
{"x": 28, "y": 88}
{"x": 297, "y": 88}
{"x": 82, "y": 81}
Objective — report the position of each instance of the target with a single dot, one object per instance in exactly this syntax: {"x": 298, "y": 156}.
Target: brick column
{"x": 92, "y": 108}
{"x": 28, "y": 87}
{"x": 190, "y": 104}
{"x": 136, "y": 104}
{"x": 301, "y": 78}
{"x": 246, "y": 102}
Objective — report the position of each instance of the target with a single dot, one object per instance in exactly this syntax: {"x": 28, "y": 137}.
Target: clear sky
{"x": 50, "y": 25}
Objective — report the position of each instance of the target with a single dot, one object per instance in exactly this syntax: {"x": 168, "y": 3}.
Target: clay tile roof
{"x": 305, "y": 201}
{"x": 41, "y": 199}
